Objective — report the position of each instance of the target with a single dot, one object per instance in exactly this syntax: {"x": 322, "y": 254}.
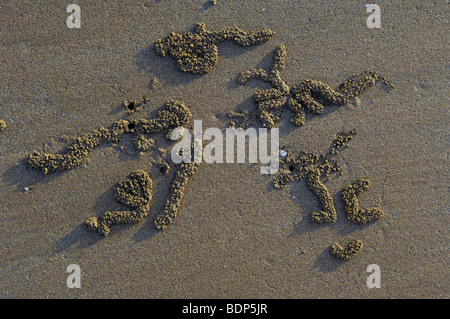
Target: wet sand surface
{"x": 236, "y": 235}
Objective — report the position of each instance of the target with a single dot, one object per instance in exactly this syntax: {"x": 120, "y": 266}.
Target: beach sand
{"x": 236, "y": 236}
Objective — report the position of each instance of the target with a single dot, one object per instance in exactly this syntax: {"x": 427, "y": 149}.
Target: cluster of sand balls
{"x": 197, "y": 52}
{"x": 309, "y": 95}
{"x": 350, "y": 199}
{"x": 328, "y": 212}
{"x": 135, "y": 192}
{"x": 313, "y": 167}
{"x": 177, "y": 188}
{"x": 312, "y": 96}
{"x": 174, "y": 114}
{"x": 299, "y": 166}
{"x": 348, "y": 252}
{"x": 73, "y": 155}
{"x": 357, "y": 216}
{"x": 341, "y": 140}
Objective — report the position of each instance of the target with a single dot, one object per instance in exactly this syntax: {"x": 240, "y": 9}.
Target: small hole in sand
{"x": 131, "y": 126}
{"x": 163, "y": 169}
{"x": 130, "y": 106}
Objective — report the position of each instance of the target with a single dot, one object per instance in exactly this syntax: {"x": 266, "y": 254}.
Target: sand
{"x": 235, "y": 234}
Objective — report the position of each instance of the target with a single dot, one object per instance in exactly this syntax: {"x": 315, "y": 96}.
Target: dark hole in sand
{"x": 163, "y": 169}
{"x": 130, "y": 106}
{"x": 131, "y": 126}
{"x": 291, "y": 168}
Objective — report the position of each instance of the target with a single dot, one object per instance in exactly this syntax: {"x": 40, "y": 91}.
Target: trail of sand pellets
{"x": 172, "y": 115}
{"x": 328, "y": 212}
{"x": 348, "y": 252}
{"x": 197, "y": 52}
{"x": 177, "y": 189}
{"x": 312, "y": 96}
{"x": 134, "y": 191}
{"x": 351, "y": 203}
{"x": 308, "y": 96}
{"x": 313, "y": 168}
